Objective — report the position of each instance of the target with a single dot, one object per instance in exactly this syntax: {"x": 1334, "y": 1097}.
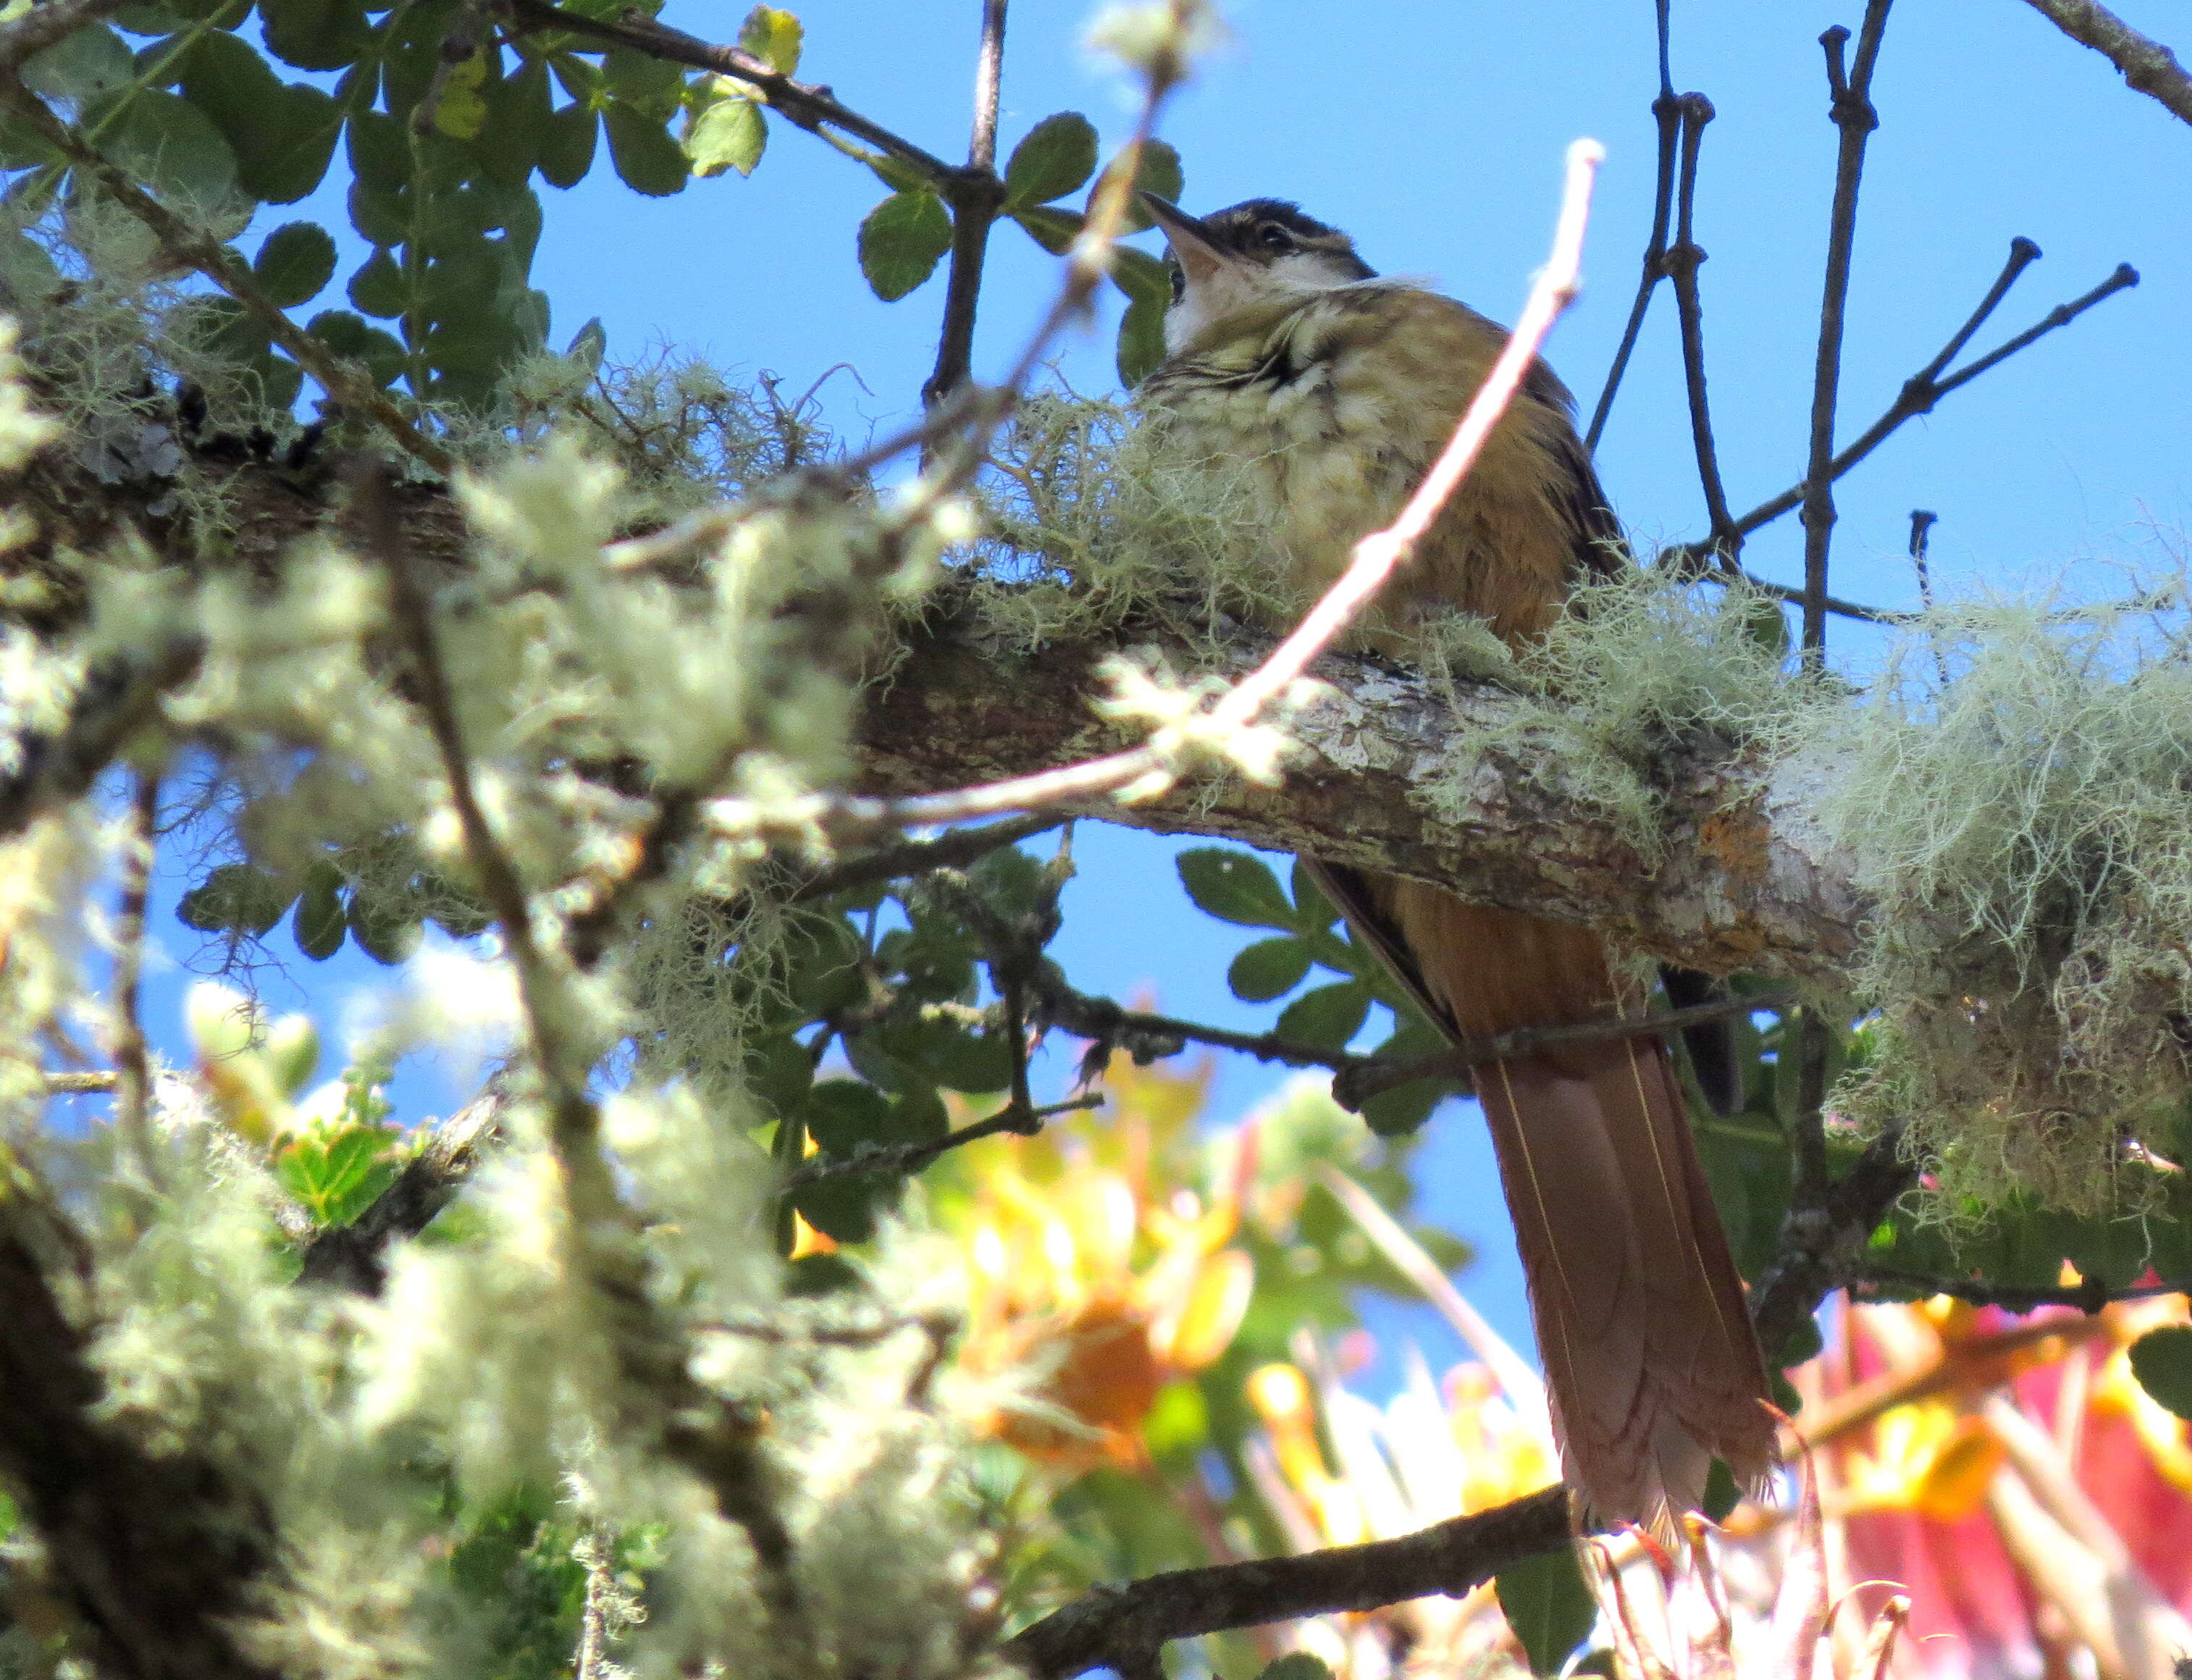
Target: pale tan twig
{"x": 1376, "y": 557}
{"x": 2146, "y": 63}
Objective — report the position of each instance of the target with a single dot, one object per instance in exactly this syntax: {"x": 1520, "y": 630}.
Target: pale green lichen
{"x": 2021, "y": 813}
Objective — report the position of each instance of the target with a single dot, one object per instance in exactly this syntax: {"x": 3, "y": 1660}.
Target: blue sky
{"x": 1433, "y": 130}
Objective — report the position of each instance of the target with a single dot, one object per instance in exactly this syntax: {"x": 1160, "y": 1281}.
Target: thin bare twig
{"x": 803, "y": 104}
{"x": 2146, "y": 63}
{"x": 1667, "y": 112}
{"x": 1855, "y": 118}
{"x": 1123, "y": 1627}
{"x": 1681, "y": 262}
{"x": 954, "y": 850}
{"x": 975, "y": 198}
{"x": 1376, "y": 556}
{"x": 133, "y": 1062}
{"x": 1921, "y": 527}
{"x": 1924, "y": 389}
{"x": 901, "y": 1160}
{"x": 2088, "y": 1294}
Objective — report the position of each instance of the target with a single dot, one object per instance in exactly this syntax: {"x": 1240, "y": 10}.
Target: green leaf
{"x": 1053, "y": 228}
{"x": 901, "y": 241}
{"x": 461, "y": 111}
{"x": 348, "y": 336}
{"x": 729, "y": 135}
{"x": 1326, "y": 1017}
{"x": 842, "y": 1114}
{"x": 2161, "y": 1360}
{"x": 282, "y": 136}
{"x": 845, "y": 1209}
{"x": 340, "y": 1173}
{"x": 1160, "y": 173}
{"x": 316, "y": 34}
{"x": 320, "y": 923}
{"x": 1141, "y": 276}
{"x": 1722, "y": 1494}
{"x": 295, "y": 263}
{"x": 1141, "y": 340}
{"x": 1056, "y": 157}
{"x": 81, "y": 67}
{"x": 566, "y": 150}
{"x": 380, "y": 287}
{"x": 1400, "y": 1111}
{"x": 1235, "y": 886}
{"x": 1312, "y": 909}
{"x": 1548, "y": 1606}
{"x": 168, "y": 145}
{"x": 385, "y": 925}
{"x": 647, "y": 160}
{"x": 774, "y": 37}
{"x": 1268, "y": 968}
{"x": 1296, "y": 1665}
{"x": 235, "y": 898}
{"x": 27, "y": 274}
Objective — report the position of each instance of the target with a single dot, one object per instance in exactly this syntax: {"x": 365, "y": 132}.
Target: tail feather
{"x": 1650, "y": 1362}
{"x": 1651, "y": 1365}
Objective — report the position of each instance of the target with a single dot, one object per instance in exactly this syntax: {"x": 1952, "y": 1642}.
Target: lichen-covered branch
{"x": 1743, "y": 876}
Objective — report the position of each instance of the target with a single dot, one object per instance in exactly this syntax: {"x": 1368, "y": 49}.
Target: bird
{"x": 1332, "y": 390}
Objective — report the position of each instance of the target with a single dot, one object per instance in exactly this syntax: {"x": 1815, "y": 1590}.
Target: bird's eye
{"x": 1179, "y": 280}
{"x": 1274, "y": 238}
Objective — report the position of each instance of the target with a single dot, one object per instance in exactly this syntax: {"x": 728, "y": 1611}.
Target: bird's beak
{"x": 1190, "y": 243}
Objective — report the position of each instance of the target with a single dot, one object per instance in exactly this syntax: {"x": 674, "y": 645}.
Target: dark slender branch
{"x": 1855, "y": 118}
{"x": 2023, "y": 253}
{"x": 2088, "y": 1295}
{"x": 901, "y": 1160}
{"x": 1681, "y": 262}
{"x": 974, "y": 201}
{"x": 1122, "y": 1627}
{"x": 804, "y": 105}
{"x": 1358, "y": 1077}
{"x": 2061, "y": 315}
{"x": 1919, "y": 394}
{"x": 46, "y": 25}
{"x": 2147, "y": 64}
{"x": 1667, "y": 112}
{"x": 1369, "y": 1076}
{"x": 133, "y": 1063}
{"x": 1835, "y": 604}
{"x": 1921, "y": 528}
{"x": 954, "y": 850}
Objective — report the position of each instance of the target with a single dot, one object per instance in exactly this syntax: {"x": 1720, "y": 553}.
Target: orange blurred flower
{"x": 1086, "y": 1266}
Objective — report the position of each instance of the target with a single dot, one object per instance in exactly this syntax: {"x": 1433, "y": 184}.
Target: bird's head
{"x": 1255, "y": 253}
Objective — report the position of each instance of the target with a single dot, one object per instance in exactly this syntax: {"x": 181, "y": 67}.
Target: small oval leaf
{"x": 1548, "y": 1607}
{"x": 1268, "y": 968}
{"x": 2161, "y": 1360}
{"x": 729, "y": 135}
{"x": 294, "y": 264}
{"x": 1235, "y": 886}
{"x": 1327, "y": 1018}
{"x": 901, "y": 242}
{"x": 1056, "y": 156}
{"x": 774, "y": 37}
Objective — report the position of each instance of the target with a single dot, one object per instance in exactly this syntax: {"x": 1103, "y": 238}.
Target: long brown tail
{"x": 1650, "y": 1361}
